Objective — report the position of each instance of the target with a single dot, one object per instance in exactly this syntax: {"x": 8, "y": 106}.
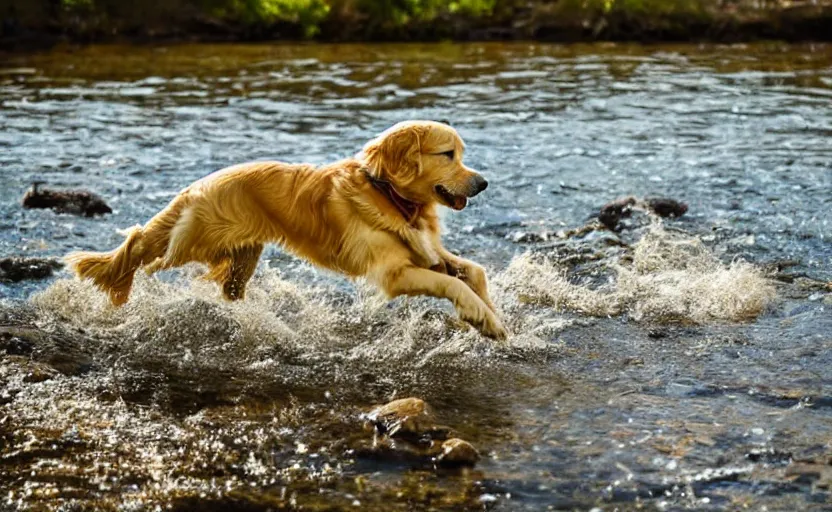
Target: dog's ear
{"x": 395, "y": 155}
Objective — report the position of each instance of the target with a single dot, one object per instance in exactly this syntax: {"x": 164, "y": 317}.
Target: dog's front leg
{"x": 412, "y": 280}
{"x": 423, "y": 248}
{"x": 469, "y": 273}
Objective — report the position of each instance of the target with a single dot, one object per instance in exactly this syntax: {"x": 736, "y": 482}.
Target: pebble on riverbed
{"x": 75, "y": 202}
{"x": 411, "y": 422}
{"x": 18, "y": 269}
{"x": 403, "y": 416}
{"x": 457, "y": 452}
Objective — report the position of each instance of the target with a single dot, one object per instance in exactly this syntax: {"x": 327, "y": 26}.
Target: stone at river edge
{"x": 612, "y": 212}
{"x": 76, "y": 202}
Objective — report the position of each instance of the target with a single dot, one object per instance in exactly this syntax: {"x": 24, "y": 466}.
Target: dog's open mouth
{"x": 454, "y": 201}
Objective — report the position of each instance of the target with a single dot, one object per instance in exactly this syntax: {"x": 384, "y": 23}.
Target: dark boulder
{"x": 75, "y": 202}
{"x": 19, "y": 269}
{"x": 612, "y": 212}
{"x": 666, "y": 207}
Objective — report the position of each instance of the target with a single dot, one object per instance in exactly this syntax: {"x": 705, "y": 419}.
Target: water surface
{"x": 181, "y": 399}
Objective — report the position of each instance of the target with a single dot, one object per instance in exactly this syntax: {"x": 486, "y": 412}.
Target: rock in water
{"x": 402, "y": 431}
{"x": 18, "y": 269}
{"x": 406, "y": 431}
{"x": 404, "y": 416}
{"x": 76, "y": 202}
{"x": 457, "y": 452}
{"x": 666, "y": 207}
{"x": 612, "y": 212}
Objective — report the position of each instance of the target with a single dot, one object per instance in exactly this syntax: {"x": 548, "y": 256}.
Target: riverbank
{"x": 31, "y": 24}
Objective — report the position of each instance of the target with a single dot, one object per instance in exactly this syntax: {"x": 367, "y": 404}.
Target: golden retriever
{"x": 374, "y": 216}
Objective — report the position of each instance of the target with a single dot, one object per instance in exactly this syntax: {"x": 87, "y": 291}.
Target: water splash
{"x": 671, "y": 278}
{"x": 676, "y": 277}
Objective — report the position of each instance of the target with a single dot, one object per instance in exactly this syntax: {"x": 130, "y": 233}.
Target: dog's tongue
{"x": 460, "y": 202}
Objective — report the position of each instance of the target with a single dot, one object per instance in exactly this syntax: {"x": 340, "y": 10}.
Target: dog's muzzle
{"x": 458, "y": 201}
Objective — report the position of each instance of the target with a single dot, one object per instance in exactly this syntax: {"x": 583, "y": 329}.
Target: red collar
{"x": 410, "y": 210}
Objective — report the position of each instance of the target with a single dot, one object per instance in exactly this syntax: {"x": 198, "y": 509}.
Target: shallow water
{"x": 645, "y": 369}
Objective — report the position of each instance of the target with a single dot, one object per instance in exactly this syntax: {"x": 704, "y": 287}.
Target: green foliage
{"x": 649, "y": 8}
{"x": 307, "y": 13}
{"x": 369, "y": 19}
{"x": 473, "y": 7}
{"x": 77, "y": 5}
{"x": 402, "y": 12}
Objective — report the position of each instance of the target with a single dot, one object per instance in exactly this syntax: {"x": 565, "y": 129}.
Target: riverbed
{"x": 673, "y": 364}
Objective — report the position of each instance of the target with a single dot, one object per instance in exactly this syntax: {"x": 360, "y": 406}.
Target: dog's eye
{"x": 449, "y": 154}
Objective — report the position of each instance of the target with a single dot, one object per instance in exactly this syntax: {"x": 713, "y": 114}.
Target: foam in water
{"x": 279, "y": 320}
{"x": 671, "y": 278}
{"x": 676, "y": 277}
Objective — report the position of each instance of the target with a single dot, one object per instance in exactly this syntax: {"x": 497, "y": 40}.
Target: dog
{"x": 373, "y": 216}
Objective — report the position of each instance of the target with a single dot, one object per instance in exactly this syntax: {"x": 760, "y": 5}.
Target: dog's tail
{"x": 112, "y": 271}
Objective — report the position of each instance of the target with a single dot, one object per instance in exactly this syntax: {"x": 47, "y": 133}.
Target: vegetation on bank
{"x": 566, "y": 20}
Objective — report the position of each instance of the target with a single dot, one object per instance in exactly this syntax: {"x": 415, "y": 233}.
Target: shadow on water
{"x": 649, "y": 368}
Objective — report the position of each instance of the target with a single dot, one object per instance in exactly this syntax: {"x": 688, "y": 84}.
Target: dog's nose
{"x": 478, "y": 185}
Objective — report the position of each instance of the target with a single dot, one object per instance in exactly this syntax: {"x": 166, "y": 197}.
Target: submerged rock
{"x": 813, "y": 473}
{"x": 609, "y": 217}
{"x": 62, "y": 350}
{"x": 406, "y": 431}
{"x": 39, "y": 372}
{"x": 19, "y": 269}
{"x": 451, "y": 453}
{"x": 457, "y": 452}
{"x": 76, "y": 202}
{"x": 401, "y": 417}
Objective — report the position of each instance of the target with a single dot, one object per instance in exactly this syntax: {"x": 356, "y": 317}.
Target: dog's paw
{"x": 493, "y": 328}
{"x": 476, "y": 313}
{"x": 485, "y": 321}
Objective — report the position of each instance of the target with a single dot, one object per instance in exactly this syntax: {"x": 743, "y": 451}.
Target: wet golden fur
{"x": 331, "y": 215}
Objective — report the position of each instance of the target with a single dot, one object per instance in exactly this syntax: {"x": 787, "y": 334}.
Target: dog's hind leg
{"x": 158, "y": 234}
{"x": 243, "y": 262}
{"x": 179, "y": 242}
{"x": 219, "y": 267}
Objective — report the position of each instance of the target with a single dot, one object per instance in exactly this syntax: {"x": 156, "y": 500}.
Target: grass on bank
{"x": 382, "y": 19}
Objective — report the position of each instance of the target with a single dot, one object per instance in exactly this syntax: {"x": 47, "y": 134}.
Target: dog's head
{"x": 423, "y": 161}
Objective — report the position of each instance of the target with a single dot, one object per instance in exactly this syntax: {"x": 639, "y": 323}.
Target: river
{"x": 677, "y": 364}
